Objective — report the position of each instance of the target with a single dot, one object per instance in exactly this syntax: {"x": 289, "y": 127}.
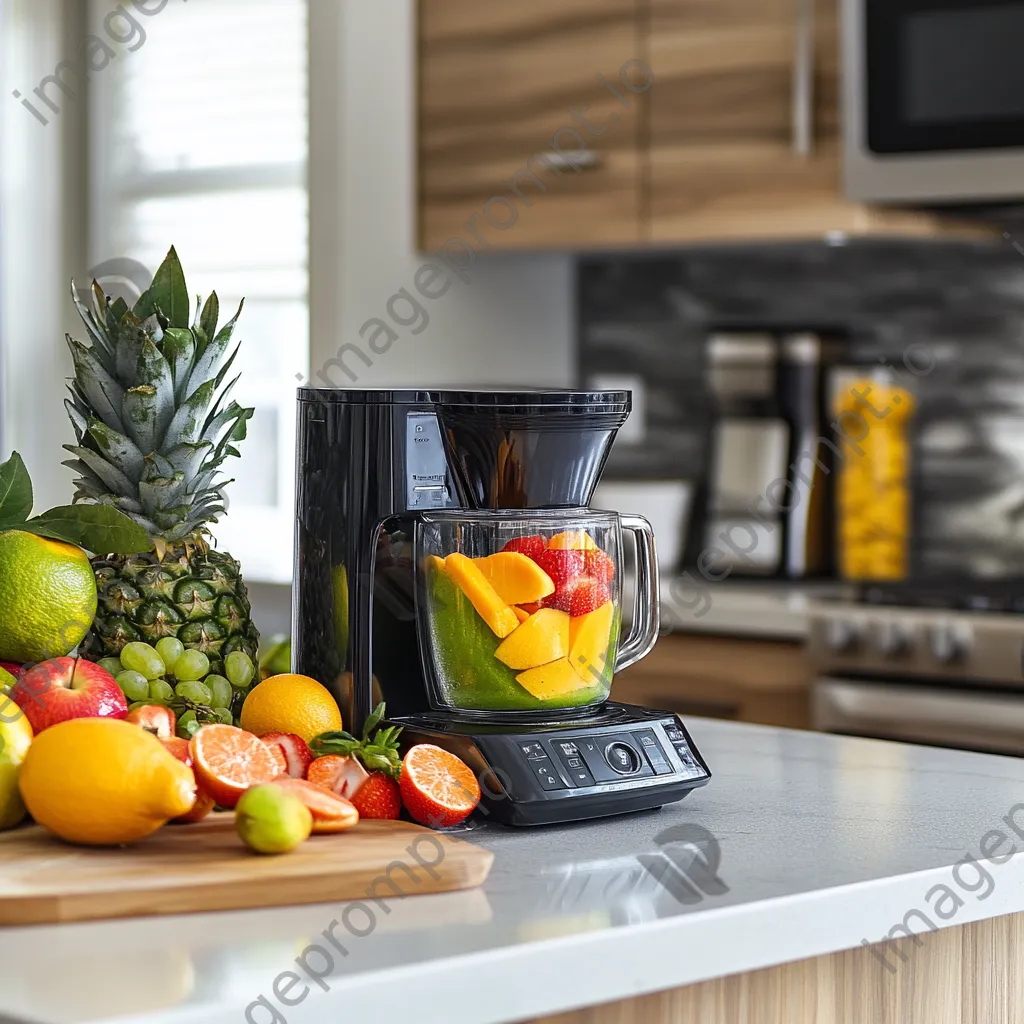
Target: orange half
{"x": 229, "y": 760}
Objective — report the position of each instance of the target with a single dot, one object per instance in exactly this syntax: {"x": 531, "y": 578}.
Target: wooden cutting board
{"x": 204, "y": 866}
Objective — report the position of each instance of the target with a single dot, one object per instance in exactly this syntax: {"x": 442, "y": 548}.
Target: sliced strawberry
{"x": 337, "y": 774}
{"x": 378, "y": 797}
{"x": 295, "y": 752}
{"x": 561, "y": 564}
{"x": 586, "y": 594}
{"x": 599, "y": 564}
{"x": 529, "y": 546}
{"x": 331, "y": 813}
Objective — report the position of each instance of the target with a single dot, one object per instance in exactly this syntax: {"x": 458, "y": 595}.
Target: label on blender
{"x": 425, "y": 462}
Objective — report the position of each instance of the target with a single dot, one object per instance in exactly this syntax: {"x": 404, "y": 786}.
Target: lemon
{"x": 15, "y": 738}
{"x": 290, "y": 703}
{"x": 103, "y": 782}
{"x": 47, "y": 597}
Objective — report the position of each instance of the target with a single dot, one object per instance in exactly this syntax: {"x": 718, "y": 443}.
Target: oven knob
{"x": 892, "y": 639}
{"x": 842, "y": 635}
{"x": 949, "y": 644}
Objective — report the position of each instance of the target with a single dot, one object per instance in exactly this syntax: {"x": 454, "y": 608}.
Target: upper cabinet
{"x": 744, "y": 138}
{"x": 599, "y": 123}
{"x": 527, "y": 135}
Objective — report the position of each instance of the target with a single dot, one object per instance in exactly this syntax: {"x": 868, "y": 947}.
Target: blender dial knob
{"x": 841, "y": 635}
{"x": 948, "y": 643}
{"x": 892, "y": 638}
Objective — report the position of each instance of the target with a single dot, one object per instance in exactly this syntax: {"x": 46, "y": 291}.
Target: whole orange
{"x": 290, "y": 703}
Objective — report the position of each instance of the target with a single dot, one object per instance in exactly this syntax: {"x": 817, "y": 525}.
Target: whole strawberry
{"x": 561, "y": 564}
{"x": 378, "y": 797}
{"x": 585, "y": 595}
{"x": 599, "y": 564}
{"x": 529, "y": 546}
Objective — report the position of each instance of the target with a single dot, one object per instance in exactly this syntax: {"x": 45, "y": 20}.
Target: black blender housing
{"x": 368, "y": 462}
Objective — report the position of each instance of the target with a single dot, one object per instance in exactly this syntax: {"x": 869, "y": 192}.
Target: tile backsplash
{"x": 955, "y": 307}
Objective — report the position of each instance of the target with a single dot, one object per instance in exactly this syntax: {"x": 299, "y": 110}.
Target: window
{"x": 198, "y": 138}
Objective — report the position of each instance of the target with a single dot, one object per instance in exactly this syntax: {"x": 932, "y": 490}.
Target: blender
{"x": 447, "y": 563}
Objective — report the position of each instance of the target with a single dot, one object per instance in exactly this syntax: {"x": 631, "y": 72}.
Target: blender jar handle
{"x": 646, "y": 624}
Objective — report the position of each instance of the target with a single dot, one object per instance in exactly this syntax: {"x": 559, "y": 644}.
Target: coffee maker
{"x": 447, "y": 563}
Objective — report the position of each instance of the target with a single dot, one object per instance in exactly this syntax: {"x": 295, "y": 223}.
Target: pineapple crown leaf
{"x": 148, "y": 388}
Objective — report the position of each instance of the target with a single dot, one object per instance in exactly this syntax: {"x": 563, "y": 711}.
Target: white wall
{"x": 514, "y": 324}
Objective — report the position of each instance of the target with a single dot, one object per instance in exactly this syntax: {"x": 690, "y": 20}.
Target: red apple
{"x": 155, "y": 718}
{"x": 54, "y": 691}
{"x": 11, "y": 667}
{"x": 204, "y": 802}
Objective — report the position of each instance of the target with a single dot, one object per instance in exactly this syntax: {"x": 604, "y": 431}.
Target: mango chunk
{"x": 433, "y": 562}
{"x": 516, "y": 578}
{"x": 521, "y": 614}
{"x": 576, "y": 540}
{"x": 541, "y": 639}
{"x": 496, "y": 613}
{"x": 548, "y": 682}
{"x": 590, "y": 643}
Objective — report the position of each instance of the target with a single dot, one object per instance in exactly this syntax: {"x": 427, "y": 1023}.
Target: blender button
{"x": 533, "y": 751}
{"x": 544, "y": 769}
{"x": 623, "y": 758}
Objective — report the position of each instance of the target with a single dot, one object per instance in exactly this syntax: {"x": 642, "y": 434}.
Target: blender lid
{"x": 517, "y": 401}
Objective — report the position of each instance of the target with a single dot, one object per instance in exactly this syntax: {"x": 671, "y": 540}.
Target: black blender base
{"x": 612, "y": 760}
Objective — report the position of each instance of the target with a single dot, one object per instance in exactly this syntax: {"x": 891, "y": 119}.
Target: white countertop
{"x": 824, "y": 841}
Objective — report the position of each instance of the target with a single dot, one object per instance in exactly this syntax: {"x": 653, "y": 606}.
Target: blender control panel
{"x": 585, "y": 761}
{"x": 426, "y": 467}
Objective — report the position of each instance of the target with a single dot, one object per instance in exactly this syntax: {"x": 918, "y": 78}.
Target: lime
{"x": 47, "y": 597}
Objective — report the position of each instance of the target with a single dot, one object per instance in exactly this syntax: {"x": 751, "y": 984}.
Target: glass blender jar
{"x": 520, "y": 612}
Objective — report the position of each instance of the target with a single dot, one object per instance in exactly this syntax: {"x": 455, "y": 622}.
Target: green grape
{"x": 160, "y": 689}
{"x": 134, "y": 685}
{"x": 140, "y": 657}
{"x": 221, "y": 690}
{"x": 170, "y": 648}
{"x": 192, "y": 689}
{"x": 112, "y": 665}
{"x": 239, "y": 669}
{"x": 224, "y": 716}
{"x": 186, "y": 719}
{"x": 191, "y": 665}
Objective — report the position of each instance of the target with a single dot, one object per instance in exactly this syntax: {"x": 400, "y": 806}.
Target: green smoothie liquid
{"x": 469, "y": 675}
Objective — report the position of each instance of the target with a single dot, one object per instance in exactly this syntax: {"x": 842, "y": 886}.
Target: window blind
{"x": 198, "y": 138}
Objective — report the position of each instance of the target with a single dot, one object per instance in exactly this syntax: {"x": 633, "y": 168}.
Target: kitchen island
{"x": 758, "y": 900}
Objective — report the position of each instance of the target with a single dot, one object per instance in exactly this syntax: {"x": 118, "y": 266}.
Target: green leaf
{"x": 208, "y": 319}
{"x": 99, "y": 388}
{"x": 100, "y": 529}
{"x": 168, "y": 293}
{"x": 149, "y": 407}
{"x": 187, "y": 424}
{"x": 179, "y": 351}
{"x": 15, "y": 492}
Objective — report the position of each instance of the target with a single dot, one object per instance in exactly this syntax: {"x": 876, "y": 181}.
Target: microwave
{"x": 933, "y": 101}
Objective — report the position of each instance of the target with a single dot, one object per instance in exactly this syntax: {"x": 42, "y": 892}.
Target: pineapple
{"x": 150, "y": 412}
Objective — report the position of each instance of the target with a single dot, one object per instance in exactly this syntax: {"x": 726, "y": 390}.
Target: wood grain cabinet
{"x": 527, "y": 135}
{"x": 744, "y": 138}
{"x": 736, "y": 135}
{"x": 767, "y": 682}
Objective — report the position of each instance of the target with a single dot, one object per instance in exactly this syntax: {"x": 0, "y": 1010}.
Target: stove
{"x": 930, "y": 661}
{"x": 945, "y": 631}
